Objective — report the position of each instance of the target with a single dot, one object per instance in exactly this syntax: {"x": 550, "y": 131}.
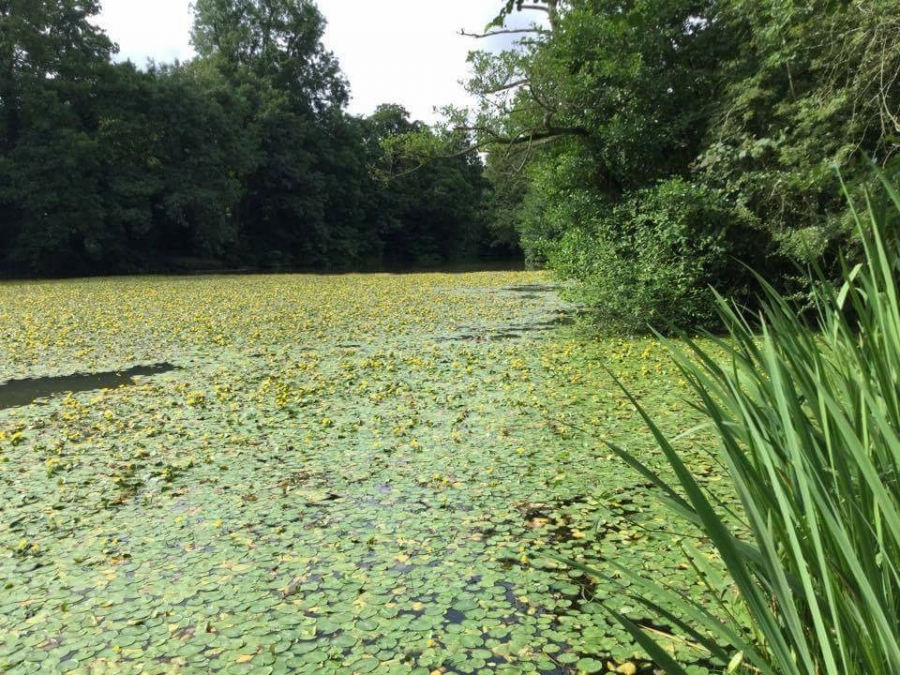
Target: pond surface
{"x": 343, "y": 475}
{"x": 23, "y": 392}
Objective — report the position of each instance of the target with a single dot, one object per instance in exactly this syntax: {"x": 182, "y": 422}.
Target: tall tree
{"x": 691, "y": 126}
{"x": 634, "y": 85}
{"x": 300, "y": 203}
{"x": 279, "y": 40}
{"x": 51, "y": 58}
{"x": 44, "y": 43}
{"x": 812, "y": 86}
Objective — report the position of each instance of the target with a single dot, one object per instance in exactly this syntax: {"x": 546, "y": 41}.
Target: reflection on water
{"x": 23, "y": 392}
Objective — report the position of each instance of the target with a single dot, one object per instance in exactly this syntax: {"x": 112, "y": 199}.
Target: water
{"x": 24, "y": 392}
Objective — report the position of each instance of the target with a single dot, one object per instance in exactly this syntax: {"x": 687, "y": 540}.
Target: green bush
{"x": 809, "y": 425}
{"x": 651, "y": 260}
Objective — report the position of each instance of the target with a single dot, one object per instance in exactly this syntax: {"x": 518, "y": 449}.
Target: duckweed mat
{"x": 349, "y": 474}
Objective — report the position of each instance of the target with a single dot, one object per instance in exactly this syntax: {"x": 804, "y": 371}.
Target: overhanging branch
{"x": 545, "y": 134}
{"x": 505, "y": 31}
{"x": 506, "y": 87}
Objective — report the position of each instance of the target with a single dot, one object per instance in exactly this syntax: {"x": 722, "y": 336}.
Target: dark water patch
{"x": 586, "y": 591}
{"x": 485, "y": 336}
{"x": 532, "y": 510}
{"x": 570, "y": 501}
{"x": 531, "y": 288}
{"x": 454, "y": 616}
{"x": 520, "y": 607}
{"x": 508, "y": 562}
{"x": 564, "y": 319}
{"x": 512, "y": 331}
{"x": 17, "y": 393}
{"x": 485, "y": 533}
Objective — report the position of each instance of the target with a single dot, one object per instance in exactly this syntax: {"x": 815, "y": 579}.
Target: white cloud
{"x": 393, "y": 51}
{"x": 404, "y": 51}
{"x": 148, "y": 29}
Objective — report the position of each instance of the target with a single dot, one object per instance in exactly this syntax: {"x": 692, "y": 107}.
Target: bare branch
{"x": 505, "y": 31}
{"x": 531, "y": 137}
{"x": 551, "y": 9}
{"x": 428, "y": 161}
{"x": 506, "y": 87}
{"x": 537, "y": 99}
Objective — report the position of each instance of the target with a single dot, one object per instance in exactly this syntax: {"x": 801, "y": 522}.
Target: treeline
{"x": 651, "y": 149}
{"x": 243, "y": 156}
{"x": 646, "y": 149}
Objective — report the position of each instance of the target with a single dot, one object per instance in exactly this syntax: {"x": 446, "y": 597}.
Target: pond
{"x": 354, "y": 474}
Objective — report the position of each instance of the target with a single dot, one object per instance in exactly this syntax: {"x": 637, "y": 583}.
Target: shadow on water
{"x": 23, "y": 392}
{"x": 531, "y": 290}
{"x": 513, "y": 331}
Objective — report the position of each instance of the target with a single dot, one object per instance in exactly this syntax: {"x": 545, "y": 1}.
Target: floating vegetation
{"x": 325, "y": 484}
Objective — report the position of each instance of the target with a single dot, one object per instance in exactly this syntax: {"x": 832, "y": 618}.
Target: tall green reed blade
{"x": 808, "y": 420}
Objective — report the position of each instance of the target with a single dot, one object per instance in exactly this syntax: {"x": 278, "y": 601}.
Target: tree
{"x": 46, "y": 44}
{"x": 607, "y": 104}
{"x": 203, "y": 155}
{"x": 278, "y": 40}
{"x": 51, "y": 58}
{"x": 244, "y": 155}
{"x": 431, "y": 190}
{"x": 301, "y": 198}
{"x": 812, "y": 86}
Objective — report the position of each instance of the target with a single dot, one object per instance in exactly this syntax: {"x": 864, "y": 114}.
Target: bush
{"x": 809, "y": 424}
{"x": 651, "y": 260}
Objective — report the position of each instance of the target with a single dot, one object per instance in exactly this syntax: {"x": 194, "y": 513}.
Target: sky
{"x": 392, "y": 51}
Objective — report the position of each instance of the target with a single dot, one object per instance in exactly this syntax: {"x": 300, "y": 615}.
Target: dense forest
{"x": 647, "y": 148}
{"x": 242, "y": 157}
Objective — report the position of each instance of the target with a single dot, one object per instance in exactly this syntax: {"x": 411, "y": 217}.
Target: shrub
{"x": 651, "y": 259}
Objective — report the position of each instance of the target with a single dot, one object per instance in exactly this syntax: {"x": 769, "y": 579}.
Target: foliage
{"x": 46, "y": 46}
{"x": 431, "y": 190}
{"x": 652, "y": 258}
{"x": 634, "y": 85}
{"x": 51, "y": 58}
{"x": 811, "y": 87}
{"x": 808, "y": 421}
{"x": 752, "y": 100}
{"x": 508, "y": 187}
{"x": 279, "y": 41}
{"x": 243, "y": 156}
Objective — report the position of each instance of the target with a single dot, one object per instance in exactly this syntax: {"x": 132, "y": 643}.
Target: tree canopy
{"x": 242, "y": 157}
{"x": 655, "y": 146}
